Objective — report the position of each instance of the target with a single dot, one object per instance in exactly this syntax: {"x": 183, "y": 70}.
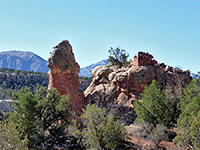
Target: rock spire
{"x": 63, "y": 75}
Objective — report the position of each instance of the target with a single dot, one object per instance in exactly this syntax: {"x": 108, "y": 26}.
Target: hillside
{"x": 13, "y": 80}
{"x": 23, "y": 60}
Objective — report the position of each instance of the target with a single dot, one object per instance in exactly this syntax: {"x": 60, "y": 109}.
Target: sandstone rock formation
{"x": 125, "y": 84}
{"x": 63, "y": 75}
{"x": 143, "y": 59}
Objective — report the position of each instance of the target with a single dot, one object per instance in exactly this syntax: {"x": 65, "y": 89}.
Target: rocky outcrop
{"x": 143, "y": 59}
{"x": 63, "y": 75}
{"x": 124, "y": 85}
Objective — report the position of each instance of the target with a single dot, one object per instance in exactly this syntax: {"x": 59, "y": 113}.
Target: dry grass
{"x": 132, "y": 136}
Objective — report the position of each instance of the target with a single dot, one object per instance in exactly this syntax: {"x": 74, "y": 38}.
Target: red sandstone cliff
{"x": 123, "y": 85}
{"x": 63, "y": 75}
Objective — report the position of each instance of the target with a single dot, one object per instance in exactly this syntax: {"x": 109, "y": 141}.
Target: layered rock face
{"x": 63, "y": 75}
{"x": 125, "y": 84}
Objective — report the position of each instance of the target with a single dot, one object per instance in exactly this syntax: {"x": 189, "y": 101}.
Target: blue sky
{"x": 168, "y": 29}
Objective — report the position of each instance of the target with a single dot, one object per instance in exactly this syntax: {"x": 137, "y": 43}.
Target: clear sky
{"x": 168, "y": 29}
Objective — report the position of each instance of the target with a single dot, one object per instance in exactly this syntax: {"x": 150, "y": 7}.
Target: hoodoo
{"x": 63, "y": 75}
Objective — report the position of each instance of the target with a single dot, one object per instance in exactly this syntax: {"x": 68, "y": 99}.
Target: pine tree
{"x": 153, "y": 107}
{"x": 190, "y": 107}
{"x": 38, "y": 116}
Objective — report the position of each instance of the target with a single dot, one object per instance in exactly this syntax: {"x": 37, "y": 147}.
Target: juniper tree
{"x": 153, "y": 107}
{"x": 118, "y": 56}
{"x": 101, "y": 131}
{"x": 39, "y": 116}
{"x": 189, "y": 118}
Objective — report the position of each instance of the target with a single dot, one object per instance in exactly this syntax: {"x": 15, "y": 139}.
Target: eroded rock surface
{"x": 63, "y": 75}
{"x": 124, "y": 85}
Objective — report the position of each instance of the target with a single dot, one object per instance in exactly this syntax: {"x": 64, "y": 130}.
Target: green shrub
{"x": 10, "y": 137}
{"x": 153, "y": 108}
{"x": 101, "y": 130}
{"x": 195, "y": 132}
{"x": 39, "y": 116}
{"x": 118, "y": 57}
{"x": 188, "y": 121}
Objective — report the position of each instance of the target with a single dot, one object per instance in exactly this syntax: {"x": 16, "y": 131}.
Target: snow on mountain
{"x": 87, "y": 71}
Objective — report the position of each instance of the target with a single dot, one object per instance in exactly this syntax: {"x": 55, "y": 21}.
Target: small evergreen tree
{"x": 187, "y": 122}
{"x": 195, "y": 131}
{"x": 118, "y": 57}
{"x": 153, "y": 108}
{"x": 39, "y": 116}
{"x": 101, "y": 130}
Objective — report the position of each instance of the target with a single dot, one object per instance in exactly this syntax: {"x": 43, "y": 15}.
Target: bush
{"x": 157, "y": 134}
{"x": 3, "y": 115}
{"x": 39, "y": 116}
{"x": 10, "y": 137}
{"x": 188, "y": 121}
{"x": 153, "y": 108}
{"x": 195, "y": 132}
{"x": 118, "y": 57}
{"x": 101, "y": 131}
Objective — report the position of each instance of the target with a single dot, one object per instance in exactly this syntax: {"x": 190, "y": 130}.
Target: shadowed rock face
{"x": 63, "y": 75}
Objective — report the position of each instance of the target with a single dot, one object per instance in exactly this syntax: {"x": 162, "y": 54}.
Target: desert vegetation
{"x": 101, "y": 130}
{"x": 44, "y": 119}
{"x": 118, "y": 57}
{"x": 156, "y": 115}
{"x": 35, "y": 121}
{"x": 14, "y": 80}
{"x": 40, "y": 120}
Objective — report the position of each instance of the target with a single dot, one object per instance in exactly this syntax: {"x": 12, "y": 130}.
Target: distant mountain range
{"x": 21, "y": 60}
{"x": 28, "y": 61}
{"x": 87, "y": 71}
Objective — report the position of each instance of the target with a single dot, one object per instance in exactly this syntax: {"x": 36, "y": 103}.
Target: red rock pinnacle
{"x": 63, "y": 75}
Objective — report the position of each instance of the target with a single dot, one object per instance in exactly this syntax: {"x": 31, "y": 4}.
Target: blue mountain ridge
{"x": 28, "y": 61}
{"x": 23, "y": 60}
{"x": 87, "y": 71}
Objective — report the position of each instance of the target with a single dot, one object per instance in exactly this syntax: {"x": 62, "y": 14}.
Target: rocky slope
{"x": 123, "y": 85}
{"x": 21, "y": 60}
